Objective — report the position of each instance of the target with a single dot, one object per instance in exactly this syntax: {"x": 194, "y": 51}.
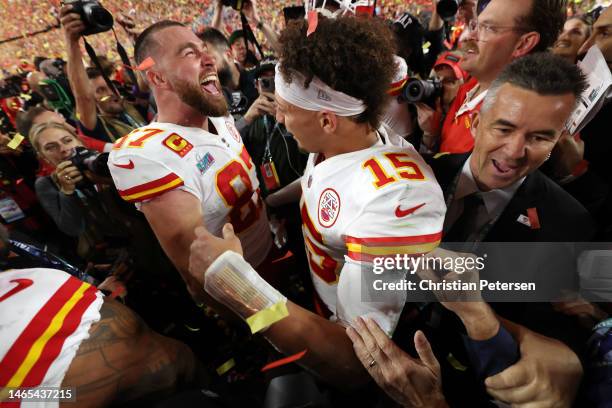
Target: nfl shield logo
{"x": 329, "y": 207}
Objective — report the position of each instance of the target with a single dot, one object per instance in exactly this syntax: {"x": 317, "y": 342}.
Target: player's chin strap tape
{"x": 233, "y": 282}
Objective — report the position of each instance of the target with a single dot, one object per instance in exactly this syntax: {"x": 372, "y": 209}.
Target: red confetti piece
{"x": 534, "y": 220}
{"x": 284, "y": 361}
{"x": 313, "y": 22}
{"x": 146, "y": 64}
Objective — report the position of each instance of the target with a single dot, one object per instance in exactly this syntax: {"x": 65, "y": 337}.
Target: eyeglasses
{"x": 485, "y": 30}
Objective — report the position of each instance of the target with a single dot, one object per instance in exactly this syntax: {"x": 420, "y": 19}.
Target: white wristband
{"x": 234, "y": 283}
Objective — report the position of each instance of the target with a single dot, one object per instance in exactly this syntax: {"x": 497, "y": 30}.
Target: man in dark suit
{"x": 497, "y": 194}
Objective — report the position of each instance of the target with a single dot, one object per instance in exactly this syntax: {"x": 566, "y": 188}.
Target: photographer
{"x": 504, "y": 31}
{"x": 250, "y": 9}
{"x": 116, "y": 117}
{"x": 68, "y": 194}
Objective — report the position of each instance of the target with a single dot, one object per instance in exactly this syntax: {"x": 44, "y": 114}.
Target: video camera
{"x": 421, "y": 91}
{"x": 96, "y": 18}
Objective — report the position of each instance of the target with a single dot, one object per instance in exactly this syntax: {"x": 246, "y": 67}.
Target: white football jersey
{"x": 45, "y": 314}
{"x": 216, "y": 168}
{"x": 375, "y": 202}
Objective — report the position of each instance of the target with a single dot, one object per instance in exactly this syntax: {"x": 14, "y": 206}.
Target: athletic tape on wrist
{"x": 234, "y": 283}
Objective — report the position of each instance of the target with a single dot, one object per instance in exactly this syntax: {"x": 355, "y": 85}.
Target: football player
{"x": 365, "y": 194}
{"x": 189, "y": 167}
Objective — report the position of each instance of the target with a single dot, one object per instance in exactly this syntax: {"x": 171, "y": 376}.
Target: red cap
{"x": 452, "y": 60}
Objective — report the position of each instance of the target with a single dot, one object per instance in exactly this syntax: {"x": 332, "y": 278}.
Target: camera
{"x": 96, "y": 18}
{"x": 85, "y": 159}
{"x": 448, "y": 8}
{"x": 235, "y": 4}
{"x": 425, "y": 91}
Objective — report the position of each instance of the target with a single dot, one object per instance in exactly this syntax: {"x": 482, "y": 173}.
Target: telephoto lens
{"x": 447, "y": 8}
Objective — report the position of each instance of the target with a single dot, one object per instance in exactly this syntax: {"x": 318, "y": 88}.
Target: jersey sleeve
{"x": 139, "y": 179}
{"x": 406, "y": 218}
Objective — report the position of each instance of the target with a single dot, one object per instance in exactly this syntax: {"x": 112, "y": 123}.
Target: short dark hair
{"x": 145, "y": 42}
{"x": 215, "y": 38}
{"x": 546, "y": 17}
{"x": 235, "y": 36}
{"x": 25, "y": 119}
{"x": 351, "y": 55}
{"x": 543, "y": 73}
{"x": 92, "y": 72}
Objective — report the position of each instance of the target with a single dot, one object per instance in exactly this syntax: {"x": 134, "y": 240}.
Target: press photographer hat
{"x": 452, "y": 60}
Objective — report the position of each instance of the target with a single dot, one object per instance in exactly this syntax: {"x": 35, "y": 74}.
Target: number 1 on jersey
{"x": 405, "y": 169}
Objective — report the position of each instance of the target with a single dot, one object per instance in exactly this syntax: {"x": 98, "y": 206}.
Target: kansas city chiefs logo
{"x": 329, "y": 207}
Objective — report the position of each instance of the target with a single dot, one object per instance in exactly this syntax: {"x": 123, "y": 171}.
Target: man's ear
{"x": 475, "y": 124}
{"x": 526, "y": 44}
{"x": 328, "y": 121}
{"x": 156, "y": 78}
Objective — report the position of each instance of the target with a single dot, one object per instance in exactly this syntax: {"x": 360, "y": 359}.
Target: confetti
{"x": 225, "y": 367}
{"x": 313, "y": 22}
{"x": 17, "y": 140}
{"x": 284, "y": 361}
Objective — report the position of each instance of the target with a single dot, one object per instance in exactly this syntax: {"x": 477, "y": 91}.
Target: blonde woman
{"x": 55, "y": 144}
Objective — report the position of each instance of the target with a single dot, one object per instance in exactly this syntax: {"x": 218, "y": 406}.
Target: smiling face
{"x": 489, "y": 49}
{"x": 575, "y": 33}
{"x": 515, "y": 135}
{"x": 189, "y": 70}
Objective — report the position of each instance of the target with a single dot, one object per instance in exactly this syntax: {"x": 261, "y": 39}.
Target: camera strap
{"x": 96, "y": 62}
{"x": 249, "y": 35}
{"x": 124, "y": 59}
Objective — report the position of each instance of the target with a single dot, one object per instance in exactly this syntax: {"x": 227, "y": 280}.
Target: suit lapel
{"x": 529, "y": 195}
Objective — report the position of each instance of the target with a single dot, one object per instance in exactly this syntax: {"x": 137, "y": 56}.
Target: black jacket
{"x": 562, "y": 218}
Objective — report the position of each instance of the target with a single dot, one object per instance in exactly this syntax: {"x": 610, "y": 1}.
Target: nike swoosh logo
{"x": 128, "y": 166}
{"x": 399, "y": 213}
{"x": 21, "y": 285}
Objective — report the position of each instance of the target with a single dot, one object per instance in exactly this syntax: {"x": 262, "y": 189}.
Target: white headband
{"x": 317, "y": 97}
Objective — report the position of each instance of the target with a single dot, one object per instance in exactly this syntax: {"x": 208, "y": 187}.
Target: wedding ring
{"x": 372, "y": 363}
{"x": 67, "y": 177}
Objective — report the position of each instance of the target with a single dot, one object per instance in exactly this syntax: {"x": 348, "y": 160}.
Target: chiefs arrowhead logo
{"x": 329, "y": 208}
{"x": 399, "y": 213}
{"x": 129, "y": 165}
{"x": 21, "y": 285}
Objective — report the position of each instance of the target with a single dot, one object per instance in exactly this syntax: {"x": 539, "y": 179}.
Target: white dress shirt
{"x": 495, "y": 201}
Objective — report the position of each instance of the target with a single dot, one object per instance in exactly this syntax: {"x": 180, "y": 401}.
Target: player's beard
{"x": 195, "y": 97}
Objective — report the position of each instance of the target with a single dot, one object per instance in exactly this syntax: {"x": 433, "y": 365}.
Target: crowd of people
{"x": 264, "y": 204}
